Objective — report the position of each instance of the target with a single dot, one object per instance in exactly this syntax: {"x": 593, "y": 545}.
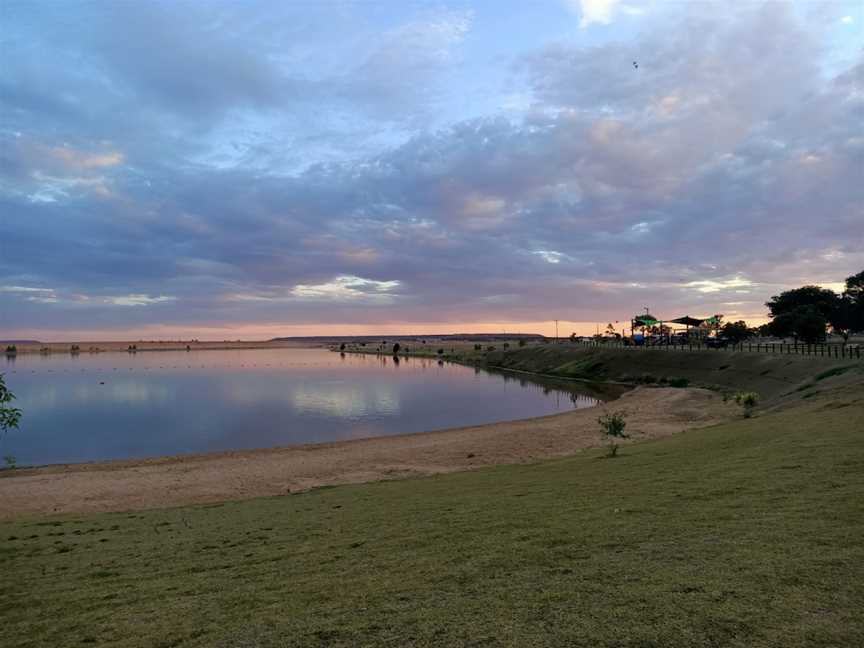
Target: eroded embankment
{"x": 774, "y": 377}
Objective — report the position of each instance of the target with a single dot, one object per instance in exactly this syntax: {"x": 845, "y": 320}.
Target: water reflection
{"x": 118, "y": 405}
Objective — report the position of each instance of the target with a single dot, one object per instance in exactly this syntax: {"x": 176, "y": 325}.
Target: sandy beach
{"x": 203, "y": 478}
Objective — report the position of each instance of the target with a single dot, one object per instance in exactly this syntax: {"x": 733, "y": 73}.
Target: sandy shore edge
{"x": 236, "y": 475}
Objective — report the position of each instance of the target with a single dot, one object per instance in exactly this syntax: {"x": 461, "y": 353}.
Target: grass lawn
{"x": 747, "y": 534}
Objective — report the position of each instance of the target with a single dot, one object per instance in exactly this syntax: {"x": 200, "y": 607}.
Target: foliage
{"x": 396, "y": 348}
{"x": 747, "y": 400}
{"x": 613, "y": 425}
{"x": 822, "y": 299}
{"x": 850, "y": 315}
{"x": 801, "y": 312}
{"x": 9, "y": 416}
{"x": 478, "y": 347}
{"x": 736, "y": 332}
{"x": 11, "y": 349}
{"x": 342, "y": 347}
{"x": 10, "y": 461}
{"x": 805, "y": 323}
{"x": 521, "y": 343}
{"x": 440, "y": 352}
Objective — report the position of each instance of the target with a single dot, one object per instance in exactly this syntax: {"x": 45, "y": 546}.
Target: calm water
{"x": 158, "y": 403}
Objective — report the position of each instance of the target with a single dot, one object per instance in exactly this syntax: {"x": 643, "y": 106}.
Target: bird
{"x": 635, "y": 65}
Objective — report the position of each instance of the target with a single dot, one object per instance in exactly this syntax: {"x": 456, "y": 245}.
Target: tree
{"x": 855, "y": 288}
{"x": 805, "y": 323}
{"x": 613, "y": 425}
{"x": 9, "y": 416}
{"x": 822, "y": 299}
{"x": 851, "y": 315}
{"x": 736, "y": 332}
{"x": 805, "y": 313}
{"x": 396, "y": 348}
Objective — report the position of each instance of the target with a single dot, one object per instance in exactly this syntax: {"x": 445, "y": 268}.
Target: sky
{"x": 225, "y": 170}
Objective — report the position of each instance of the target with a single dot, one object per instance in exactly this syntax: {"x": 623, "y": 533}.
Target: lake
{"x": 116, "y": 405}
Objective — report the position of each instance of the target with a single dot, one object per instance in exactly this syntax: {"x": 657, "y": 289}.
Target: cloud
{"x": 720, "y": 165}
{"x": 347, "y": 288}
{"x": 137, "y": 300}
{"x": 593, "y": 11}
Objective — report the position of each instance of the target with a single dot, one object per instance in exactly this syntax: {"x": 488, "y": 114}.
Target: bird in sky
{"x": 635, "y": 65}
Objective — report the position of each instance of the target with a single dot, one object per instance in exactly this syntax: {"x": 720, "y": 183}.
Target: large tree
{"x": 822, "y": 299}
{"x": 852, "y": 304}
{"x": 805, "y": 313}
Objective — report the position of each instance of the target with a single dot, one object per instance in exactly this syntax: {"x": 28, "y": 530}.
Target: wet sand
{"x": 206, "y": 478}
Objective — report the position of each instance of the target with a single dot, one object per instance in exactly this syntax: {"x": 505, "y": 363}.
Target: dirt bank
{"x": 174, "y": 481}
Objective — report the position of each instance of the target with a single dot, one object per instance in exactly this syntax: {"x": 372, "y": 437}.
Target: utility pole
{"x": 556, "y": 331}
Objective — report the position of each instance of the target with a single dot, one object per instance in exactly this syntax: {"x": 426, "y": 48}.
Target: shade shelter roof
{"x": 687, "y": 321}
{"x": 645, "y": 320}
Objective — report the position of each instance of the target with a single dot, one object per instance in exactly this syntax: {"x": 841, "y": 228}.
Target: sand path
{"x": 202, "y": 478}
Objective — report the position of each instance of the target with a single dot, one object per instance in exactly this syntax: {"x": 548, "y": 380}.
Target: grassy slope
{"x": 747, "y": 534}
{"x": 769, "y": 374}
{"x": 772, "y": 375}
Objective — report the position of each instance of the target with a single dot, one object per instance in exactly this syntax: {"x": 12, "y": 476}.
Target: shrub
{"x": 506, "y": 345}
{"x": 613, "y": 425}
{"x": 11, "y": 350}
{"x": 747, "y": 400}
{"x": 478, "y": 347}
{"x": 521, "y": 343}
{"x": 490, "y": 348}
{"x": 342, "y": 347}
{"x": 678, "y": 382}
{"x": 396, "y": 348}
{"x": 9, "y": 416}
{"x": 440, "y": 352}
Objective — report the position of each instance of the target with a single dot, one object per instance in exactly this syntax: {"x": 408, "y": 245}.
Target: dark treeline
{"x": 806, "y": 313}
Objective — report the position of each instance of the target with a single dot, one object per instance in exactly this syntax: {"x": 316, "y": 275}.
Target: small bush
{"x": 478, "y": 347}
{"x": 678, "y": 382}
{"x": 440, "y": 352}
{"x": 342, "y": 347}
{"x": 747, "y": 400}
{"x": 613, "y": 425}
{"x": 521, "y": 343}
{"x": 396, "y": 348}
{"x": 490, "y": 348}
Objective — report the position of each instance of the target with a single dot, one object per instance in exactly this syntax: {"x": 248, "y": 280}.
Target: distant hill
{"x": 466, "y": 337}
{"x": 20, "y": 342}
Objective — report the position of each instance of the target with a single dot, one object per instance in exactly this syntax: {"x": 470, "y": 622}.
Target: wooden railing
{"x": 839, "y": 351}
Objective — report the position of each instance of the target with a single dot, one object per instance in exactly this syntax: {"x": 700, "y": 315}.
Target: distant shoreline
{"x": 88, "y": 347}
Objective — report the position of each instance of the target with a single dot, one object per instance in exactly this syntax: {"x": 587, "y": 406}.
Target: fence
{"x": 839, "y": 351}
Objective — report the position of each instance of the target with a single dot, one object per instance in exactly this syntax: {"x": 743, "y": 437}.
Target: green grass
{"x": 746, "y": 534}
